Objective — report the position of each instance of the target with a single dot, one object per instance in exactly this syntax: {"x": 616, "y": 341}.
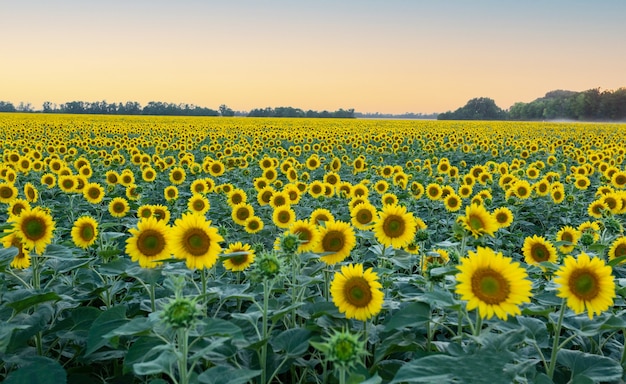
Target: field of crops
{"x": 235, "y": 250}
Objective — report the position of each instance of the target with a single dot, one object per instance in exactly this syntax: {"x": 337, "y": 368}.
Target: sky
{"x": 388, "y": 56}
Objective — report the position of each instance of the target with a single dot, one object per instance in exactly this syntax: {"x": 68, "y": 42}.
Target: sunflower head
{"x": 268, "y": 266}
{"x": 343, "y": 349}
{"x": 357, "y": 292}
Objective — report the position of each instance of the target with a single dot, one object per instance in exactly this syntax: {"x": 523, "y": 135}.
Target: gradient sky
{"x": 389, "y": 56}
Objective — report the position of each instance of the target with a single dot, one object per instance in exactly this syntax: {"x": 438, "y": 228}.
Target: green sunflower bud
{"x": 180, "y": 313}
{"x": 289, "y": 243}
{"x": 586, "y": 239}
{"x": 267, "y": 266}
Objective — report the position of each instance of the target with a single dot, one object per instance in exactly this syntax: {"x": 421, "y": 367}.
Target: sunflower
{"x": 253, "y": 224}
{"x": 34, "y": 227}
{"x": 293, "y": 194}
{"x": 320, "y": 215}
{"x": 614, "y": 202}
{"x": 264, "y": 195}
{"x": 85, "y": 231}
{"x": 144, "y": 211}
{"x": 149, "y": 242}
{"x": 16, "y": 206}
{"x": 586, "y": 283}
{"x": 198, "y": 203}
{"x": 596, "y": 208}
{"x": 417, "y": 190}
{"x": 22, "y": 259}
{"x": 618, "y": 179}
{"x": 161, "y": 213}
{"x": 242, "y": 212}
{"x": 170, "y": 193}
{"x": 49, "y": 180}
{"x": 582, "y": 182}
{"x": 618, "y": 248}
{"x": 316, "y": 188}
{"x": 216, "y": 168}
{"x": 112, "y": 177}
{"x": 279, "y": 199}
{"x": 8, "y": 192}
{"x": 557, "y": 194}
{"x": 337, "y": 239}
{"x": 240, "y": 256}
{"x": 307, "y": 233}
{"x": 127, "y": 177}
{"x": 465, "y": 191}
{"x": 395, "y": 226}
{"x": 569, "y": 234}
{"x": 93, "y": 193}
{"x": 389, "y": 199}
{"x": 435, "y": 257}
{"x": 118, "y": 207}
{"x": 149, "y": 174}
{"x": 433, "y": 191}
{"x": 503, "y": 216}
{"x": 452, "y": 202}
{"x": 478, "y": 221}
{"x": 542, "y": 187}
{"x": 493, "y": 283}
{"x": 283, "y": 216}
{"x": 195, "y": 240}
{"x": 360, "y": 190}
{"x": 381, "y": 186}
{"x": 537, "y": 249}
{"x": 236, "y": 196}
{"x": 363, "y": 215}
{"x": 522, "y": 189}
{"x": 357, "y": 292}
{"x": 32, "y": 194}
{"x": 590, "y": 227}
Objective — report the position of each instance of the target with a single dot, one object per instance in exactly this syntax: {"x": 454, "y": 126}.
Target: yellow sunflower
{"x": 363, "y": 215}
{"x": 395, "y": 227}
{"x": 177, "y": 175}
{"x": 34, "y": 227}
{"x": 8, "y": 192}
{"x": 596, "y": 208}
{"x": 586, "y": 283}
{"x": 112, "y": 177}
{"x": 381, "y": 186}
{"x": 283, "y": 216}
{"x": 452, "y": 202}
{"x": 93, "y": 192}
{"x": 321, "y": 215}
{"x": 618, "y": 249}
{"x": 537, "y": 249}
{"x": 357, "y": 292}
{"x": 17, "y": 206}
{"x": 236, "y": 196}
{"x": 435, "y": 257}
{"x": 195, "y": 240}
{"x": 478, "y": 221}
{"x": 161, "y": 213}
{"x": 493, "y": 283}
{"x": 149, "y": 242}
{"x": 503, "y": 216}
{"x": 253, "y": 224}
{"x": 118, "y": 207}
{"x": 49, "y": 180}
{"x": 32, "y": 194}
{"x": 198, "y": 203}
{"x": 308, "y": 234}
{"x": 85, "y": 231}
{"x": 618, "y": 179}
{"x": 239, "y": 257}
{"x": 433, "y": 191}
{"x": 170, "y": 193}
{"x": 337, "y": 239}
{"x": 389, "y": 199}
{"x": 242, "y": 212}
{"x": 22, "y": 259}
{"x": 569, "y": 234}
{"x": 144, "y": 211}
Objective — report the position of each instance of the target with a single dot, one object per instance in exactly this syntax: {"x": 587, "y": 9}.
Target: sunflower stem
{"x": 623, "y": 360}
{"x": 479, "y": 324}
{"x": 183, "y": 349}
{"x": 555, "y": 343}
{"x": 203, "y": 276}
{"x": 326, "y": 283}
{"x": 266, "y": 298}
{"x": 151, "y": 292}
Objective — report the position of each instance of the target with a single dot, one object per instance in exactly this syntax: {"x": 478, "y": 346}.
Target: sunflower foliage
{"x": 199, "y": 250}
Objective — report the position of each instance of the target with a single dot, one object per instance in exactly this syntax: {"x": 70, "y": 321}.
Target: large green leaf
{"x": 594, "y": 367}
{"x": 38, "y": 370}
{"x": 223, "y": 374}
{"x": 411, "y": 315}
{"x": 32, "y": 300}
{"x": 294, "y": 342}
{"x": 105, "y": 323}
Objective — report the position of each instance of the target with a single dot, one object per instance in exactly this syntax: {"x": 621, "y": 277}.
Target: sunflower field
{"x": 218, "y": 250}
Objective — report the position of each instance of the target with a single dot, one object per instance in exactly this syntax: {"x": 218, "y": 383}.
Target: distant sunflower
{"x": 283, "y": 216}
{"x": 253, "y": 224}
{"x": 537, "y": 249}
{"x": 161, "y": 213}
{"x": 241, "y": 257}
{"x": 177, "y": 175}
{"x": 16, "y": 206}
{"x": 395, "y": 226}
{"x": 34, "y": 227}
{"x": 569, "y": 234}
{"x": 236, "y": 196}
{"x": 22, "y": 259}
{"x": 93, "y": 193}
{"x": 144, "y": 211}
{"x": 316, "y": 188}
{"x": 381, "y": 186}
{"x": 363, "y": 215}
{"x": 308, "y": 234}
{"x": 557, "y": 194}
{"x": 618, "y": 179}
{"x": 503, "y": 216}
{"x": 199, "y": 186}
{"x": 8, "y": 192}
{"x": 596, "y": 208}
{"x": 357, "y": 292}
{"x": 264, "y": 195}
{"x": 85, "y": 231}
{"x": 321, "y": 215}
{"x": 389, "y": 199}
{"x": 618, "y": 249}
{"x": 195, "y": 240}
{"x": 148, "y": 174}
{"x": 242, "y": 212}
{"x": 198, "y": 203}
{"x": 112, "y": 177}
{"x": 435, "y": 257}
{"x": 433, "y": 191}
{"x": 522, "y": 189}
{"x": 216, "y": 168}
{"x": 170, "y": 193}
{"x": 49, "y": 180}
{"x": 149, "y": 242}
{"x": 31, "y": 193}
{"x": 452, "y": 202}
{"x": 279, "y": 199}
{"x": 478, "y": 221}
{"x": 118, "y": 207}
{"x": 582, "y": 182}
{"x": 337, "y": 239}
{"x": 586, "y": 283}
{"x": 493, "y": 283}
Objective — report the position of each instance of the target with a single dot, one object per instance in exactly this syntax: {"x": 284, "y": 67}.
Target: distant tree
{"x": 24, "y": 107}
{"x": 480, "y": 108}
{"x": 225, "y": 111}
{"x": 6, "y": 106}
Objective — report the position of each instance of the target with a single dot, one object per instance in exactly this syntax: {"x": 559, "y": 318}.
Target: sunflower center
{"x": 150, "y": 242}
{"x": 357, "y": 292}
{"x": 475, "y": 222}
{"x": 364, "y": 216}
{"x": 87, "y": 232}
{"x": 567, "y": 237}
{"x": 239, "y": 259}
{"x": 253, "y": 225}
{"x": 333, "y": 241}
{"x": 198, "y": 205}
{"x": 34, "y": 228}
{"x": 243, "y": 214}
{"x": 490, "y": 286}
{"x": 304, "y": 235}
{"x": 540, "y": 253}
{"x": 394, "y": 226}
{"x": 502, "y": 218}
{"x": 284, "y": 217}
{"x": 584, "y": 284}
{"x": 118, "y": 207}
{"x": 197, "y": 242}
{"x": 620, "y": 250}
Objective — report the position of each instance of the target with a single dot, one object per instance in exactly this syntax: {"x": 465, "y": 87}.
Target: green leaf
{"x": 224, "y": 374}
{"x": 139, "y": 350}
{"x": 294, "y": 342}
{"x": 38, "y": 370}
{"x": 616, "y": 261}
{"x": 161, "y": 363}
{"x": 136, "y": 326}
{"x": 219, "y": 327}
{"x": 56, "y": 251}
{"x": 585, "y": 365}
{"x": 411, "y": 315}
{"x": 32, "y": 300}
{"x": 438, "y": 299}
{"x": 6, "y": 330}
{"x": 105, "y": 323}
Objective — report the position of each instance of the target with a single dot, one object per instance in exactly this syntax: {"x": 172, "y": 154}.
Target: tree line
{"x": 297, "y": 112}
{"x": 590, "y": 105}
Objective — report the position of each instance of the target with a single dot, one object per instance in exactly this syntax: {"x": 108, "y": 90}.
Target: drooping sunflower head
{"x": 85, "y": 231}
{"x": 337, "y": 239}
{"x": 493, "y": 283}
{"x": 395, "y": 227}
{"x": 357, "y": 292}
{"x": 586, "y": 283}
{"x": 537, "y": 249}
{"x": 149, "y": 242}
